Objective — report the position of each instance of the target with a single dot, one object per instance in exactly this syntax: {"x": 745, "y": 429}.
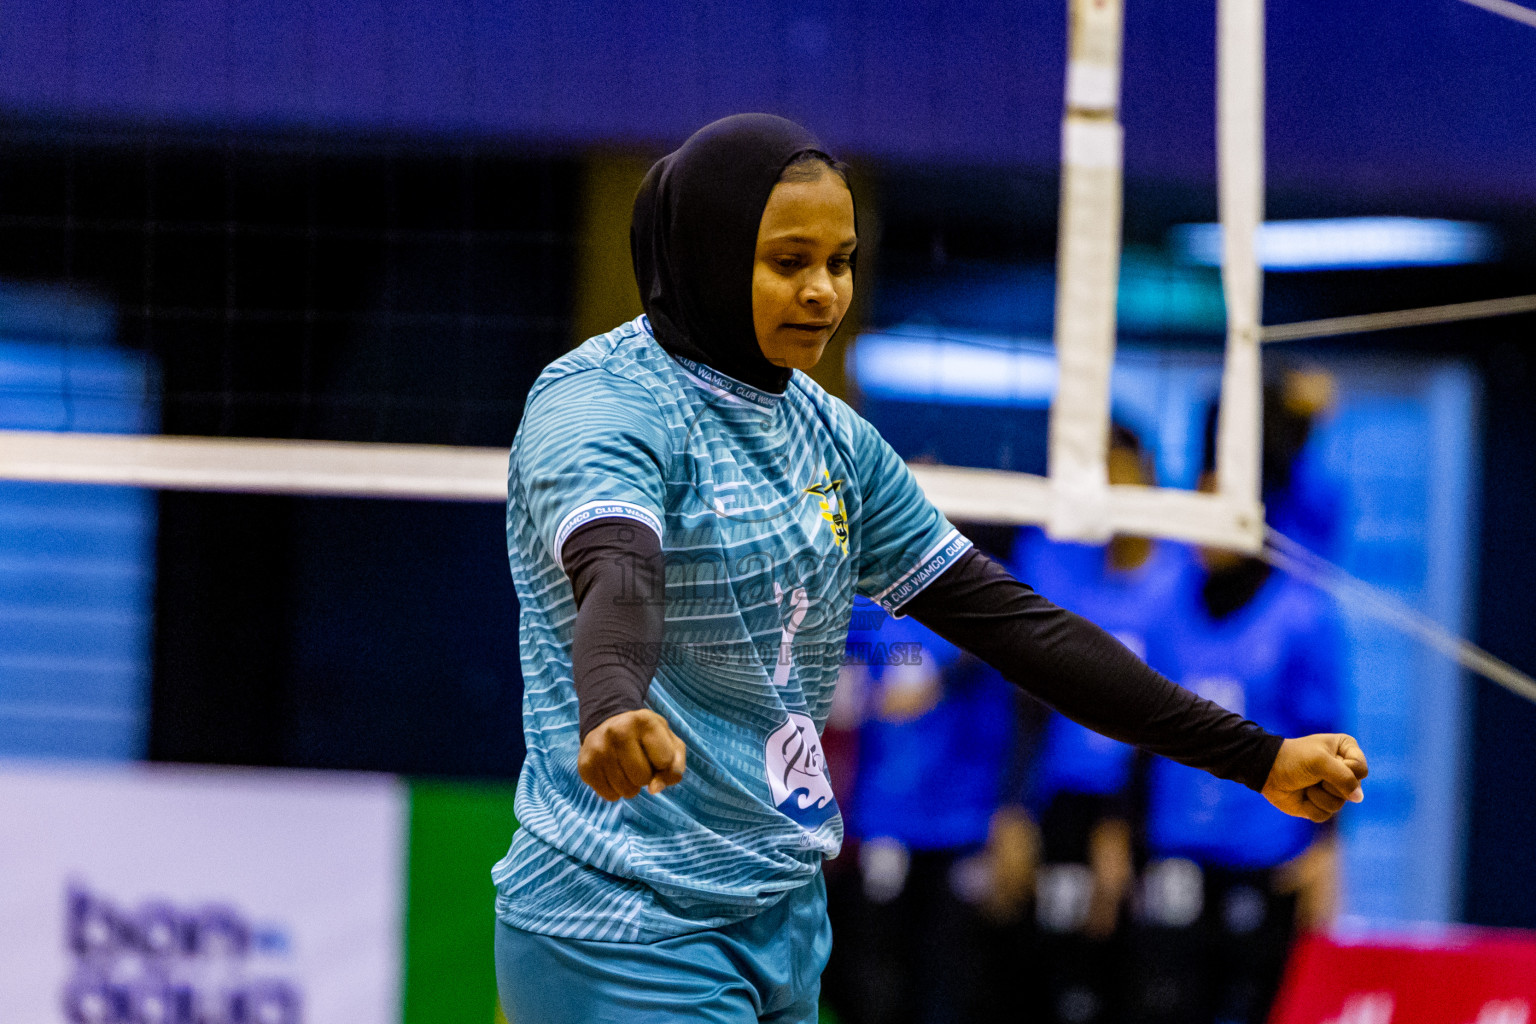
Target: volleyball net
{"x": 442, "y": 256}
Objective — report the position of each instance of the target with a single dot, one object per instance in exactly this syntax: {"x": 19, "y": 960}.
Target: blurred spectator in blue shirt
{"x": 1301, "y": 499}
{"x": 1230, "y": 879}
{"x": 1082, "y": 781}
{"x": 944, "y": 851}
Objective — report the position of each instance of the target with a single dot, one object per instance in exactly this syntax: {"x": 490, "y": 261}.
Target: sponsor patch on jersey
{"x": 797, "y": 772}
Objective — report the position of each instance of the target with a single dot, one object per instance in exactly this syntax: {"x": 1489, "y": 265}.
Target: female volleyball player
{"x": 688, "y": 521}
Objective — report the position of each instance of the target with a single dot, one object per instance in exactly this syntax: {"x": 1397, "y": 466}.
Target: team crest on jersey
{"x": 832, "y": 509}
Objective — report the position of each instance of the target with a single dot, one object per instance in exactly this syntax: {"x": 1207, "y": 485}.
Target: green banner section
{"x": 458, "y": 830}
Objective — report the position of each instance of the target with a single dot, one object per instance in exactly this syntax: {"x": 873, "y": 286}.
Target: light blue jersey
{"x": 773, "y": 511}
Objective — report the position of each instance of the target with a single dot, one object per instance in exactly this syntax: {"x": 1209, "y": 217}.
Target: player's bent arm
{"x": 1089, "y": 676}
{"x": 617, "y": 579}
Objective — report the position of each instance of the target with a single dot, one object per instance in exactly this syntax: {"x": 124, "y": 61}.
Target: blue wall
{"x": 1426, "y": 94}
{"x": 76, "y": 563}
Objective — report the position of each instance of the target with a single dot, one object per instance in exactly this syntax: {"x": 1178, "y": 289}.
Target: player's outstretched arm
{"x": 1092, "y": 678}
{"x": 1314, "y": 776}
{"x": 629, "y": 752}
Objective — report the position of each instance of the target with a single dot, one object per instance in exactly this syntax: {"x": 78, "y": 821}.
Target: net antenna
{"x": 1512, "y": 11}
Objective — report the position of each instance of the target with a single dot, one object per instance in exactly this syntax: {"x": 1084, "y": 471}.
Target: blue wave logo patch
{"x": 797, "y": 773}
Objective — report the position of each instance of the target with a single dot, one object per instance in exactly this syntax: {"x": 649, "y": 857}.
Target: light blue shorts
{"x": 766, "y": 968}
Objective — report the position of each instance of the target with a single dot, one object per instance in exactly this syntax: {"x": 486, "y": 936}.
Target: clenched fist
{"x": 1313, "y": 776}
{"x": 629, "y": 752}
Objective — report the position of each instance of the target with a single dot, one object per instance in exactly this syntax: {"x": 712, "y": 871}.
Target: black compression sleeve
{"x": 1086, "y": 674}
{"x": 617, "y": 576}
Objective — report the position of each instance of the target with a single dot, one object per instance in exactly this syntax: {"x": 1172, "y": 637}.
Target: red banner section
{"x": 1457, "y": 976}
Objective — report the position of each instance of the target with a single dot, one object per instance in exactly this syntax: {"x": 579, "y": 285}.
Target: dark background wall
{"x": 1501, "y": 874}
{"x": 317, "y": 287}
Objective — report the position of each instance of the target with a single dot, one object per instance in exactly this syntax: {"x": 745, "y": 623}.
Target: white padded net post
{"x": 1083, "y": 506}
{"x": 1240, "y": 163}
{"x": 1087, "y": 272}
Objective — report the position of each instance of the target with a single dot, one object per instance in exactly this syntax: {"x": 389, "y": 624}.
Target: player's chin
{"x": 799, "y": 350}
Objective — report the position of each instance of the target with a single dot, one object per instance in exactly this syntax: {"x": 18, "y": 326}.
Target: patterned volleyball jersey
{"x": 773, "y": 512}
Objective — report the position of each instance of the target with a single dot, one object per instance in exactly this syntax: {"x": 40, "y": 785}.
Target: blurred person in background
{"x": 1083, "y": 789}
{"x": 1228, "y": 885}
{"x": 944, "y": 870}
{"x": 1302, "y": 500}
{"x": 841, "y": 980}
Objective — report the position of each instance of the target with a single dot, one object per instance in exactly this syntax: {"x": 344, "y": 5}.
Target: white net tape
{"x": 443, "y": 473}
{"x": 1088, "y": 268}
{"x": 1240, "y": 183}
{"x": 330, "y": 468}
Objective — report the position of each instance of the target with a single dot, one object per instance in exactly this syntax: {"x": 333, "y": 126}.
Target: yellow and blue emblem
{"x": 832, "y": 508}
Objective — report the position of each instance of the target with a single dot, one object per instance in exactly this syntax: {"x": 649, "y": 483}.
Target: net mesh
{"x": 307, "y": 286}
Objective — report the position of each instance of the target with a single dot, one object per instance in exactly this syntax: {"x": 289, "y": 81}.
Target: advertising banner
{"x": 178, "y": 895}
{"x": 1459, "y": 976}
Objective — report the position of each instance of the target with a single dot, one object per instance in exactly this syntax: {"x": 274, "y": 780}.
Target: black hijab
{"x": 693, "y": 239}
